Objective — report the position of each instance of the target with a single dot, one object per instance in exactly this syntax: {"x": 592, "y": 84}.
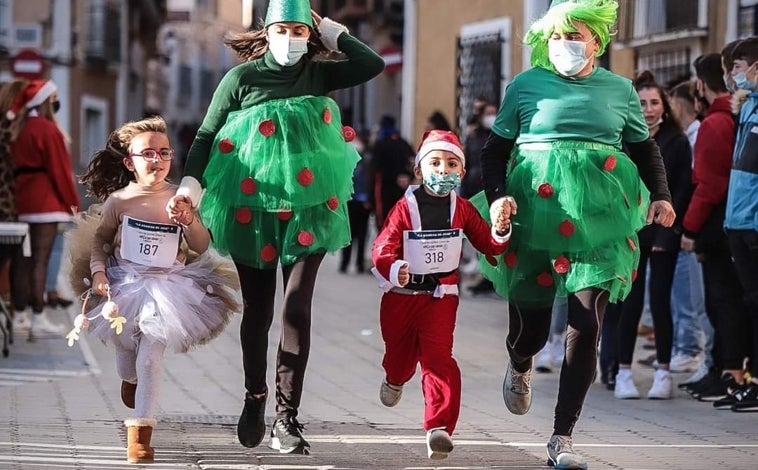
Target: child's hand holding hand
{"x": 100, "y": 283}
{"x": 403, "y": 276}
{"x": 180, "y": 210}
{"x": 500, "y": 213}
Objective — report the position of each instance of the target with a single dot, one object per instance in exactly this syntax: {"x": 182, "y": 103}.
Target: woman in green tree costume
{"x": 556, "y": 148}
{"x": 277, "y": 164}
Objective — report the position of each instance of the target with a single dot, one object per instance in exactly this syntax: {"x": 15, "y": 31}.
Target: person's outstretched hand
{"x": 661, "y": 212}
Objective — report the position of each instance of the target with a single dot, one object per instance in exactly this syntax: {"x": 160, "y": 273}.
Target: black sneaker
{"x": 701, "y": 385}
{"x": 747, "y": 400}
{"x": 251, "y": 427}
{"x": 287, "y": 437}
{"x": 719, "y": 389}
{"x": 733, "y": 394}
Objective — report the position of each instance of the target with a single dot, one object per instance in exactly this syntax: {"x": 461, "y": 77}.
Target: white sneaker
{"x": 438, "y": 443}
{"x": 390, "y": 394}
{"x": 42, "y": 327}
{"x": 22, "y": 320}
{"x": 662, "y": 385}
{"x": 558, "y": 349}
{"x": 684, "y": 363}
{"x": 625, "y": 388}
{"x": 544, "y": 360}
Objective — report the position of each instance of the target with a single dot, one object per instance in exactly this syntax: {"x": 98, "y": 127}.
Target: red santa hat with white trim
{"x": 33, "y": 95}
{"x": 440, "y": 140}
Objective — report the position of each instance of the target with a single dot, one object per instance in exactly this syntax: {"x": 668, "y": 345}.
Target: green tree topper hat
{"x": 298, "y": 11}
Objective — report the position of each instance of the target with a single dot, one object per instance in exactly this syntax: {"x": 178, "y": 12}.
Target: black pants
{"x": 744, "y": 245}
{"x": 528, "y": 331}
{"x": 662, "y": 267}
{"x": 358, "y": 214}
{"x": 258, "y": 291}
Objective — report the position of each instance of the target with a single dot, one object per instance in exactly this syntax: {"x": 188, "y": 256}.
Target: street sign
{"x": 28, "y": 64}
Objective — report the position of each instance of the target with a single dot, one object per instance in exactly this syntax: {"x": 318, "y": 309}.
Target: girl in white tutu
{"x": 165, "y": 288}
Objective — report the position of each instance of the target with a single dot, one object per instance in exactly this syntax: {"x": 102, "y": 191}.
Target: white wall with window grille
{"x": 484, "y": 64}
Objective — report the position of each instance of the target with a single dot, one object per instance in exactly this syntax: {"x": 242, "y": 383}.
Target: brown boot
{"x": 127, "y": 393}
{"x": 139, "y": 431}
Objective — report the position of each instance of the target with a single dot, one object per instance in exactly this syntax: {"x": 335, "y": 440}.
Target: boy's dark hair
{"x": 726, "y": 54}
{"x": 708, "y": 69}
{"x": 747, "y": 50}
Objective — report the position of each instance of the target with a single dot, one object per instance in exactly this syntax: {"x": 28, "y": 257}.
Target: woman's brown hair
{"x": 251, "y": 45}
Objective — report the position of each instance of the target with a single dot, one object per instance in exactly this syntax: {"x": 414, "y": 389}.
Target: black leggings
{"x": 28, "y": 274}
{"x": 258, "y": 291}
{"x": 528, "y": 332}
{"x": 662, "y": 267}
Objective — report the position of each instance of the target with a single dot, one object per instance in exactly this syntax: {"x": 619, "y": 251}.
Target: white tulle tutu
{"x": 181, "y": 306}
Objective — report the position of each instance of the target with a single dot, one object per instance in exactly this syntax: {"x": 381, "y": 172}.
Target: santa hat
{"x": 440, "y": 140}
{"x": 35, "y": 93}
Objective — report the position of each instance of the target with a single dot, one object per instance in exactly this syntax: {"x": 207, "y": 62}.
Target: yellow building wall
{"x": 438, "y": 28}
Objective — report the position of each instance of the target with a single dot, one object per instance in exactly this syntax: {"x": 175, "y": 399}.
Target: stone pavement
{"x": 60, "y": 406}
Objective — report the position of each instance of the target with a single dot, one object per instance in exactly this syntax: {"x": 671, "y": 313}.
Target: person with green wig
{"x": 557, "y": 149}
{"x": 276, "y": 166}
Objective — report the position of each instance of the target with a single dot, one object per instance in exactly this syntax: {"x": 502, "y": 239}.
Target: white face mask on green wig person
{"x": 288, "y": 42}
{"x": 568, "y": 57}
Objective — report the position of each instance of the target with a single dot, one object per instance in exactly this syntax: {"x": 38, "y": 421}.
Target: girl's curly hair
{"x": 106, "y": 171}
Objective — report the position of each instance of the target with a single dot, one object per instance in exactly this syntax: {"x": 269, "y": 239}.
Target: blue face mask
{"x": 441, "y": 185}
{"x": 742, "y": 83}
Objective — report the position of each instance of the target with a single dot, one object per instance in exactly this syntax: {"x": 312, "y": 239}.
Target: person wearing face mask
{"x": 658, "y": 246}
{"x": 276, "y": 167}
{"x": 556, "y": 147}
{"x": 741, "y": 221}
{"x": 416, "y": 258}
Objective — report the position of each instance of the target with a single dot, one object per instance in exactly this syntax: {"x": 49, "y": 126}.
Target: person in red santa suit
{"x": 45, "y": 195}
{"x": 416, "y": 257}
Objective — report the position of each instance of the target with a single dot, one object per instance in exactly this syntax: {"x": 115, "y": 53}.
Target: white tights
{"x": 140, "y": 360}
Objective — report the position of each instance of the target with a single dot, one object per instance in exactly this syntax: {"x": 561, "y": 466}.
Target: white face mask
{"x": 287, "y": 50}
{"x": 488, "y": 121}
{"x": 568, "y": 57}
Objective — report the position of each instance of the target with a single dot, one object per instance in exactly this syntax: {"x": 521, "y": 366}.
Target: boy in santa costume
{"x": 416, "y": 257}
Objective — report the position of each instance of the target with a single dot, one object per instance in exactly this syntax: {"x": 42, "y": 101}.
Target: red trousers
{"x": 419, "y": 328}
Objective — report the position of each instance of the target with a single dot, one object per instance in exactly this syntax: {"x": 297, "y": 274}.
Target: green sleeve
{"x": 635, "y": 129}
{"x": 225, "y": 100}
{"x": 507, "y": 121}
{"x": 362, "y": 64}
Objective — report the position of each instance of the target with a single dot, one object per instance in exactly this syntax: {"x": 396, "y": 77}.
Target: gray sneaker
{"x": 517, "y": 389}
{"x": 560, "y": 454}
{"x": 390, "y": 394}
{"x": 438, "y": 443}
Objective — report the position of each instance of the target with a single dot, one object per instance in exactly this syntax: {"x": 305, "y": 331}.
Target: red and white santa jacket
{"x": 45, "y": 189}
{"x": 387, "y": 252}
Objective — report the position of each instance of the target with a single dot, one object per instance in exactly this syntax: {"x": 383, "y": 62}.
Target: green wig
{"x": 598, "y": 15}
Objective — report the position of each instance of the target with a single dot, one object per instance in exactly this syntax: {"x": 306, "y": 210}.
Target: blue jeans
{"x": 688, "y": 305}
{"x": 54, "y": 264}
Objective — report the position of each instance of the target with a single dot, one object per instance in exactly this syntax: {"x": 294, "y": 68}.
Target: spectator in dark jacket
{"x": 390, "y": 168}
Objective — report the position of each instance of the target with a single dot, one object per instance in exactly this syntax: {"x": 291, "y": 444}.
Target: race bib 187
{"x": 149, "y": 243}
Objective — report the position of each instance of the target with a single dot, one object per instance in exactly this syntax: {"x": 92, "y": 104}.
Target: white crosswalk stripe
{"x": 10, "y": 377}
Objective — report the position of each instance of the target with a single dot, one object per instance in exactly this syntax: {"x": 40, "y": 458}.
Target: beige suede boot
{"x": 139, "y": 431}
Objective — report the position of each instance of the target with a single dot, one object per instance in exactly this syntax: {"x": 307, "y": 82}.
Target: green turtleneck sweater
{"x": 264, "y": 79}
